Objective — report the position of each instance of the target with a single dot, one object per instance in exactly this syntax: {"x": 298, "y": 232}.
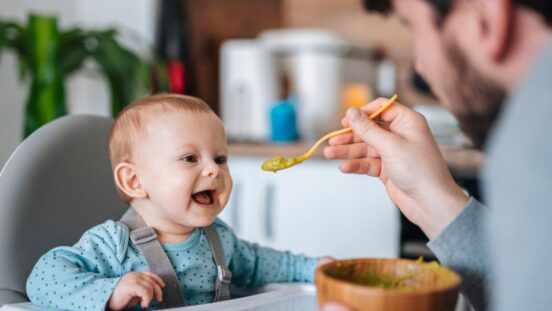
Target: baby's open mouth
{"x": 206, "y": 197}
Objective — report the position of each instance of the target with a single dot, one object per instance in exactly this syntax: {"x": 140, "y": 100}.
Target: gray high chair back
{"x": 56, "y": 185}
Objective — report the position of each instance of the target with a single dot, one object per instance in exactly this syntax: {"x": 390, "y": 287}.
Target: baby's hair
{"x": 131, "y": 121}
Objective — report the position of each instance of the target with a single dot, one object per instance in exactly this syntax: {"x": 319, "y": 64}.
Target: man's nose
{"x": 211, "y": 169}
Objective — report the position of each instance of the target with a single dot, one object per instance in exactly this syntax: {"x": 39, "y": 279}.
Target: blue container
{"x": 283, "y": 122}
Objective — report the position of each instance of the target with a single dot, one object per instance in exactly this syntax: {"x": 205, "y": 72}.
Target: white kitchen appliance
{"x": 319, "y": 64}
{"x": 248, "y": 86}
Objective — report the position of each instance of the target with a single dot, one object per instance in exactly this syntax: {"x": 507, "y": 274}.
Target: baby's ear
{"x": 127, "y": 181}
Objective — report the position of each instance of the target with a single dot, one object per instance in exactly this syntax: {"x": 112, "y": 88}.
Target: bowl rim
{"x": 387, "y": 291}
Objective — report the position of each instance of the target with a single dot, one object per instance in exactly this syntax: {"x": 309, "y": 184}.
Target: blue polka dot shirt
{"x": 83, "y": 277}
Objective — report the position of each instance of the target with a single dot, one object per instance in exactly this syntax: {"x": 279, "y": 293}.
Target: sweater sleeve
{"x": 463, "y": 247}
{"x": 253, "y": 265}
{"x": 81, "y": 277}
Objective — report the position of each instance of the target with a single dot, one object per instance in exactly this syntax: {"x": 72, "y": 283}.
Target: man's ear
{"x": 496, "y": 21}
{"x": 128, "y": 182}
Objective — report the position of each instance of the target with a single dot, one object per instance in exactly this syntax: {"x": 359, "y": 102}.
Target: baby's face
{"x": 181, "y": 163}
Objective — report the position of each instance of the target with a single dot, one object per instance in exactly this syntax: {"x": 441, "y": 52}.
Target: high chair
{"x": 56, "y": 185}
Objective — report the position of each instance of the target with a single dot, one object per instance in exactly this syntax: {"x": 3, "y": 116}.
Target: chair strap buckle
{"x": 224, "y": 274}
{"x": 143, "y": 235}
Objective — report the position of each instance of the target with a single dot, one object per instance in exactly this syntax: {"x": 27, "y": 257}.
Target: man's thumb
{"x": 366, "y": 129}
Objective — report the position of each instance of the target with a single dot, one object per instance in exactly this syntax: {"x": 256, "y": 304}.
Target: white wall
{"x": 86, "y": 90}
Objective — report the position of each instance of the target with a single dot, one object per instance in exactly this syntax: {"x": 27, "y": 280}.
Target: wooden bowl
{"x": 387, "y": 284}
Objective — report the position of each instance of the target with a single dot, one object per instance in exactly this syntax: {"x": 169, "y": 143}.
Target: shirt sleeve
{"x": 82, "y": 276}
{"x": 463, "y": 247}
{"x": 253, "y": 265}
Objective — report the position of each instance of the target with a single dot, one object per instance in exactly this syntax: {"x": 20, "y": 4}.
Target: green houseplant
{"x": 48, "y": 56}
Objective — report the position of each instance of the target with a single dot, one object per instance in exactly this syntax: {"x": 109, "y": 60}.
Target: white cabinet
{"x": 312, "y": 208}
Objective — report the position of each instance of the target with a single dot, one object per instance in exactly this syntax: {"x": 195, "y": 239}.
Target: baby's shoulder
{"x": 224, "y": 230}
{"x": 109, "y": 228}
{"x": 111, "y": 233}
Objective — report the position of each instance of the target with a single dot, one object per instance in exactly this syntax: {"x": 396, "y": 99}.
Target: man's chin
{"x": 477, "y": 126}
{"x": 476, "y": 130}
{"x": 477, "y": 98}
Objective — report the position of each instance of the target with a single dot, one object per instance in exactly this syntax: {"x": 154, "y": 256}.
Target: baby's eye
{"x": 190, "y": 158}
{"x": 220, "y": 160}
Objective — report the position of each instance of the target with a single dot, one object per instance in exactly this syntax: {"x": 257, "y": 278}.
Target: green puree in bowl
{"x": 374, "y": 279}
{"x": 403, "y": 281}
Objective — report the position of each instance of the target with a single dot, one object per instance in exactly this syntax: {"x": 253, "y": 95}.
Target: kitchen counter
{"x": 464, "y": 162}
{"x": 461, "y": 161}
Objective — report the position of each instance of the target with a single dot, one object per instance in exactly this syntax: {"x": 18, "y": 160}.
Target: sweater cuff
{"x": 463, "y": 240}
{"x": 104, "y": 290}
{"x": 305, "y": 268}
{"x": 462, "y": 246}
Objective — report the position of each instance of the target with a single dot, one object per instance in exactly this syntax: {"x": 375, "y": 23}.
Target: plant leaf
{"x": 127, "y": 74}
{"x": 46, "y": 99}
{"x": 13, "y": 37}
{"x": 72, "y": 50}
{"x": 23, "y": 67}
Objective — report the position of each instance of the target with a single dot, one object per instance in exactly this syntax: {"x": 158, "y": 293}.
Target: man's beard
{"x": 480, "y": 97}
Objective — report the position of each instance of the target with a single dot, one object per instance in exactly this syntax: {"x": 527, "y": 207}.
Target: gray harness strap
{"x": 146, "y": 240}
{"x": 224, "y": 275}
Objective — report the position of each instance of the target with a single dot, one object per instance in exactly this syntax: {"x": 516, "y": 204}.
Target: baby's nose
{"x": 211, "y": 170}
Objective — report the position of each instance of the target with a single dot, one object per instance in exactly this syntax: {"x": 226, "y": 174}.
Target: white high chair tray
{"x": 274, "y": 297}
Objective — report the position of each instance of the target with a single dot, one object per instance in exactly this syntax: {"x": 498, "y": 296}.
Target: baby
{"x": 169, "y": 158}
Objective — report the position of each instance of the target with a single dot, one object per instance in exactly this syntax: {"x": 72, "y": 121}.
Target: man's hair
{"x": 131, "y": 122}
{"x": 442, "y": 7}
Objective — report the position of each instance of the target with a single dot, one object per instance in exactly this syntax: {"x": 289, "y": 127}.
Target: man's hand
{"x": 401, "y": 151}
{"x": 136, "y": 288}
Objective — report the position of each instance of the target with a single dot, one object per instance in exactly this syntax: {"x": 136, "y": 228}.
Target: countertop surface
{"x": 460, "y": 160}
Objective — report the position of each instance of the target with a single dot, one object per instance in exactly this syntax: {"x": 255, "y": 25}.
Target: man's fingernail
{"x": 354, "y": 114}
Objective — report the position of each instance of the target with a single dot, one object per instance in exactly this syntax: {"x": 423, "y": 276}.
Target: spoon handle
{"x": 328, "y": 136}
{"x": 374, "y": 115}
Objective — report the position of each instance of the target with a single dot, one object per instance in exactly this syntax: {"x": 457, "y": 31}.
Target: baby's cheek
{"x": 223, "y": 199}
{"x": 228, "y": 184}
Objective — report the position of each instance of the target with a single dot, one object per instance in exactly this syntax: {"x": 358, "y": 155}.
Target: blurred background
{"x": 280, "y": 73}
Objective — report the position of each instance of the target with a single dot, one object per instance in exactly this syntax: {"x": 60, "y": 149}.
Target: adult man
{"x": 490, "y": 63}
